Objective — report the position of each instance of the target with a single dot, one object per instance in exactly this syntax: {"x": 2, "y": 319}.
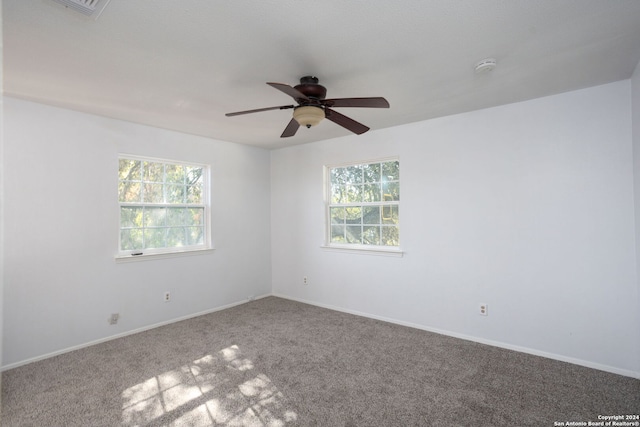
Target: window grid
{"x": 364, "y": 204}
{"x": 163, "y": 206}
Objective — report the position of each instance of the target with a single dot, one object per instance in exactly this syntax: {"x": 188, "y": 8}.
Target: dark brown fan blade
{"x": 283, "y": 107}
{"x": 374, "y": 102}
{"x": 345, "y": 121}
{"x": 291, "y": 129}
{"x": 291, "y": 91}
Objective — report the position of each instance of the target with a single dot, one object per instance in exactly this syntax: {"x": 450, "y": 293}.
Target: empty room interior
{"x": 320, "y": 213}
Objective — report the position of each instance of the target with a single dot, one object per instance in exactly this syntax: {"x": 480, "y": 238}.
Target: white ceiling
{"x": 183, "y": 64}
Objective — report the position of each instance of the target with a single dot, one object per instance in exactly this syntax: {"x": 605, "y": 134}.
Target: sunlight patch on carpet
{"x": 216, "y": 389}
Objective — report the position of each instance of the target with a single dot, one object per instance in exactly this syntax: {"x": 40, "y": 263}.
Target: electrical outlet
{"x": 483, "y": 309}
{"x": 114, "y": 318}
{"x": 305, "y": 281}
{"x": 167, "y": 297}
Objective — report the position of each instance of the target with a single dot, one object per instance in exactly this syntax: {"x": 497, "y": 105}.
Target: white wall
{"x": 61, "y": 218}
{"x": 635, "y": 110}
{"x": 1, "y": 203}
{"x": 527, "y": 207}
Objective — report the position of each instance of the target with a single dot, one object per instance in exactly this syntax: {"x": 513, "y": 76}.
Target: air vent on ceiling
{"x": 91, "y": 8}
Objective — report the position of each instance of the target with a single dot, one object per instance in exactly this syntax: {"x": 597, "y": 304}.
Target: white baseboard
{"x": 575, "y": 361}
{"x": 127, "y": 333}
{"x": 580, "y": 362}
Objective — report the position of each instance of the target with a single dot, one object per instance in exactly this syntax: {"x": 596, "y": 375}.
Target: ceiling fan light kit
{"x": 308, "y": 116}
{"x": 313, "y": 107}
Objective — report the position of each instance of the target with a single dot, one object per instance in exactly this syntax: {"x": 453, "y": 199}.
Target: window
{"x": 163, "y": 206}
{"x": 364, "y": 204}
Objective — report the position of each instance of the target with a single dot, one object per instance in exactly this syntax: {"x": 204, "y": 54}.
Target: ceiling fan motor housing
{"x": 310, "y": 87}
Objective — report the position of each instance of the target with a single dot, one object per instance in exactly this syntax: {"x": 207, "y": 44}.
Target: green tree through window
{"x": 364, "y": 204}
{"x": 163, "y": 207}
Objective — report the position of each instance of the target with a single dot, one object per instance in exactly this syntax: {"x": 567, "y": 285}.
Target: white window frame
{"x": 153, "y": 253}
{"x": 354, "y": 247}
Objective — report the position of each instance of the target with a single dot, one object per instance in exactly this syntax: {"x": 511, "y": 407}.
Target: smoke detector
{"x": 91, "y": 8}
{"x": 485, "y": 65}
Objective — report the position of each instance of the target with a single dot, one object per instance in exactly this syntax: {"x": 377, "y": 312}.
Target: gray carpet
{"x": 275, "y": 362}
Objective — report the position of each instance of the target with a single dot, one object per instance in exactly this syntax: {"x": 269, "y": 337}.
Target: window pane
{"x": 194, "y": 194}
{"x": 129, "y": 191}
{"x": 337, "y": 215}
{"x": 371, "y": 172}
{"x": 174, "y": 174}
{"x": 391, "y": 171}
{"x": 155, "y": 238}
{"x": 153, "y": 193}
{"x": 371, "y": 215}
{"x": 390, "y": 214}
{"x": 195, "y": 216}
{"x": 175, "y": 216}
{"x": 176, "y": 236}
{"x": 131, "y": 239}
{"x": 153, "y": 172}
{"x": 195, "y": 235}
{"x": 354, "y": 174}
{"x": 154, "y": 217}
{"x": 129, "y": 170}
{"x": 337, "y": 233}
{"x": 130, "y": 217}
{"x": 342, "y": 176}
{"x": 175, "y": 194}
{"x": 338, "y": 177}
{"x": 371, "y": 193}
{"x": 391, "y": 191}
{"x": 390, "y": 236}
{"x": 194, "y": 175}
{"x": 354, "y": 234}
{"x": 339, "y": 194}
{"x": 353, "y": 193}
{"x": 371, "y": 235}
{"x": 353, "y": 215}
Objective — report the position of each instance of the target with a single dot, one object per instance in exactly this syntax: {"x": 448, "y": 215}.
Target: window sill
{"x": 148, "y": 257}
{"x": 364, "y": 250}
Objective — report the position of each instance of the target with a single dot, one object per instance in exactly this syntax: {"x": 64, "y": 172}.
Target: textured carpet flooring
{"x": 275, "y": 362}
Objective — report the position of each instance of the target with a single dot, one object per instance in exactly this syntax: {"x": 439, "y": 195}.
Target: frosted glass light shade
{"x": 308, "y": 116}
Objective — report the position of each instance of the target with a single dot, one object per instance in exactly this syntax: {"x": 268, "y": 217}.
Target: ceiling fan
{"x": 313, "y": 107}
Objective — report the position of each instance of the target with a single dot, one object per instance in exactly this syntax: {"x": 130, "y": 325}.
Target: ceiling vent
{"x": 92, "y": 8}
